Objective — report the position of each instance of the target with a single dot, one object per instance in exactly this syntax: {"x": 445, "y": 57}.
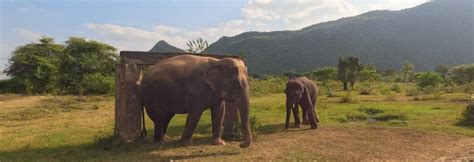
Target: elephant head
{"x": 227, "y": 78}
{"x": 294, "y": 90}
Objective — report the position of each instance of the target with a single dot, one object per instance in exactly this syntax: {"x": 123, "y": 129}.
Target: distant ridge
{"x": 163, "y": 46}
{"x": 433, "y": 33}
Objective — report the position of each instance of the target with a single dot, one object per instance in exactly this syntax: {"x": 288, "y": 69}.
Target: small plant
{"x": 347, "y": 98}
{"x": 413, "y": 92}
{"x": 395, "y": 88}
{"x": 385, "y": 91}
{"x": 255, "y": 126}
{"x": 468, "y": 116}
{"x": 366, "y": 91}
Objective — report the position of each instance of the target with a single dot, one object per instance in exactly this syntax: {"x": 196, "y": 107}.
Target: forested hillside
{"x": 434, "y": 33}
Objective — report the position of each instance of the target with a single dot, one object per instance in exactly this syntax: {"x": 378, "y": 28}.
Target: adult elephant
{"x": 189, "y": 84}
{"x": 301, "y": 92}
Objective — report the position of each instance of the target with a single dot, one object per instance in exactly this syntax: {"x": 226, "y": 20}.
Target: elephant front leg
{"x": 296, "y": 116}
{"x": 305, "y": 116}
{"x": 288, "y": 114}
{"x": 191, "y": 122}
{"x": 217, "y": 117}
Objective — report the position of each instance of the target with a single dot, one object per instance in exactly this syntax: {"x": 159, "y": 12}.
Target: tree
{"x": 83, "y": 61}
{"x": 462, "y": 74}
{"x": 428, "y": 79}
{"x": 35, "y": 66}
{"x": 196, "y": 46}
{"x": 408, "y": 72}
{"x": 442, "y": 69}
{"x": 324, "y": 75}
{"x": 348, "y": 70}
{"x": 369, "y": 73}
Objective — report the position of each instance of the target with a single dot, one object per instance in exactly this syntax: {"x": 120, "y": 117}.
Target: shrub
{"x": 468, "y": 116}
{"x": 395, "y": 88}
{"x": 366, "y": 91}
{"x": 385, "y": 91}
{"x": 97, "y": 84}
{"x": 428, "y": 79}
{"x": 347, "y": 98}
{"x": 255, "y": 126}
{"x": 413, "y": 92}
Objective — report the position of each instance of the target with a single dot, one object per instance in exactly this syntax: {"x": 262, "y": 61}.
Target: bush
{"x": 255, "y": 126}
{"x": 386, "y": 91}
{"x": 428, "y": 79}
{"x": 98, "y": 84}
{"x": 366, "y": 91}
{"x": 468, "y": 116}
{"x": 413, "y": 92}
{"x": 395, "y": 88}
{"x": 347, "y": 98}
{"x": 11, "y": 86}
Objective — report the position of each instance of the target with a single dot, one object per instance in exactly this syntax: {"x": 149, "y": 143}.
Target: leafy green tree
{"x": 462, "y": 74}
{"x": 442, "y": 69}
{"x": 35, "y": 66}
{"x": 428, "y": 79}
{"x": 196, "y": 46}
{"x": 369, "y": 74}
{"x": 408, "y": 72}
{"x": 85, "y": 59}
{"x": 348, "y": 70}
{"x": 324, "y": 75}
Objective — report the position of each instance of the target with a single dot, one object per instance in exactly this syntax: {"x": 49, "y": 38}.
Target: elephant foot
{"x": 218, "y": 141}
{"x": 186, "y": 142}
{"x": 305, "y": 122}
{"x": 244, "y": 144}
{"x": 314, "y": 127}
{"x": 297, "y": 126}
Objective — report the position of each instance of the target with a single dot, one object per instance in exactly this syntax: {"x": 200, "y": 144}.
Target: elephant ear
{"x": 212, "y": 75}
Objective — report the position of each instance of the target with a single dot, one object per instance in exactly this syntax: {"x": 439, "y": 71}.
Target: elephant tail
{"x": 143, "y": 122}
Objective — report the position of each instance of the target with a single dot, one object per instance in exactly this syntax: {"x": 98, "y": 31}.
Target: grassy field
{"x": 385, "y": 125}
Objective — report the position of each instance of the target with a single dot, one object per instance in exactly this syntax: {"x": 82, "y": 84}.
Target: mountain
{"x": 163, "y": 46}
{"x": 434, "y": 33}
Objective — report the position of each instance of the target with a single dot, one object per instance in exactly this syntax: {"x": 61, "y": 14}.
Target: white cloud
{"x": 130, "y": 38}
{"x": 259, "y": 15}
{"x": 28, "y": 35}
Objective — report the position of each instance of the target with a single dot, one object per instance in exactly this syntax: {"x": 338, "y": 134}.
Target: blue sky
{"x": 138, "y": 24}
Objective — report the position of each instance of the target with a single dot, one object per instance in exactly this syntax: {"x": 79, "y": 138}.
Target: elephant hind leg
{"x": 166, "y": 123}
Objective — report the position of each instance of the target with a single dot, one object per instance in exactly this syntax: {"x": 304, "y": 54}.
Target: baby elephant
{"x": 303, "y": 92}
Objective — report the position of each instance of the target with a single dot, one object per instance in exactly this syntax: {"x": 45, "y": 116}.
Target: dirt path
{"x": 338, "y": 143}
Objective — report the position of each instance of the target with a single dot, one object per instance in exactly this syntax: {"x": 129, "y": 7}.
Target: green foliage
{"x": 347, "y": 98}
{"x": 196, "y": 46}
{"x": 396, "y": 88}
{"x": 462, "y": 74}
{"x": 85, "y": 59}
{"x": 428, "y": 79}
{"x": 45, "y": 67}
{"x": 369, "y": 74}
{"x": 348, "y": 70}
{"x": 97, "y": 83}
{"x": 366, "y": 91}
{"x": 442, "y": 70}
{"x": 468, "y": 116}
{"x": 408, "y": 72}
{"x": 35, "y": 66}
{"x": 324, "y": 75}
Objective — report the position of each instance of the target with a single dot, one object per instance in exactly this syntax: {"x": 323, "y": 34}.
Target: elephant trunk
{"x": 243, "y": 103}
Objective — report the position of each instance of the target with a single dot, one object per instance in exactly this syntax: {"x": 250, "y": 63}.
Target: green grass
{"x": 66, "y": 128}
